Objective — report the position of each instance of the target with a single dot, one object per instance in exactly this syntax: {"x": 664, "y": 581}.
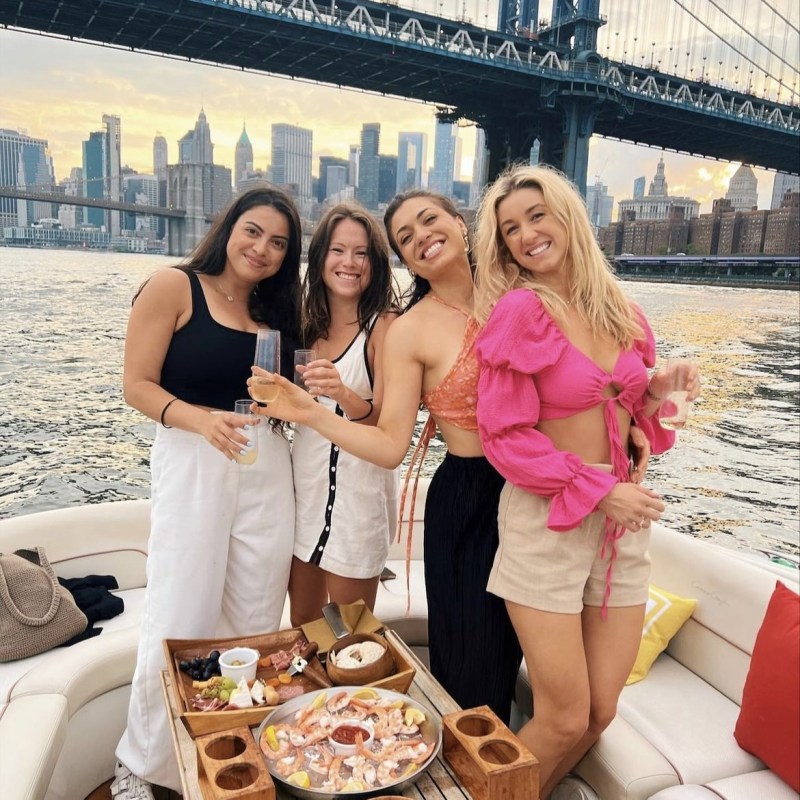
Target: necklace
{"x": 229, "y": 297}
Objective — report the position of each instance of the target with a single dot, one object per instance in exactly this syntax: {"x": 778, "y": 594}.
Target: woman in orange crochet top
{"x": 564, "y": 360}
{"x": 428, "y": 357}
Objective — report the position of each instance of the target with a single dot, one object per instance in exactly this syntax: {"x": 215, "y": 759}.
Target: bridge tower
{"x": 185, "y": 190}
{"x": 562, "y": 116}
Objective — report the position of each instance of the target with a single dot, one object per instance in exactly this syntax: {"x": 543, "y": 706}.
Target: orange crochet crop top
{"x": 455, "y": 399}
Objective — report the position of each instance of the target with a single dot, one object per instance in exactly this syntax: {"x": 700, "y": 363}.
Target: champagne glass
{"x": 302, "y": 358}
{"x": 250, "y": 450}
{"x": 268, "y": 357}
{"x": 674, "y": 409}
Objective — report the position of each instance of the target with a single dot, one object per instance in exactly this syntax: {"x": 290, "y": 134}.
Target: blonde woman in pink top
{"x": 564, "y": 359}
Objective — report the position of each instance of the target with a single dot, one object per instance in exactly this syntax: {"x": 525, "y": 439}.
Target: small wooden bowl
{"x": 368, "y": 673}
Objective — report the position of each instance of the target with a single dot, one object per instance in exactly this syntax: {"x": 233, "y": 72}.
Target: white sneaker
{"x": 127, "y": 786}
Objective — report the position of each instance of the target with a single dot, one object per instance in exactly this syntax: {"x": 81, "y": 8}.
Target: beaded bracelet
{"x": 164, "y": 411}
{"x": 371, "y": 408}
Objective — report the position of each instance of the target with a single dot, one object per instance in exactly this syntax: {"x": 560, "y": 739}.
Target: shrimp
{"x": 417, "y": 753}
{"x": 337, "y": 702}
{"x": 385, "y": 771}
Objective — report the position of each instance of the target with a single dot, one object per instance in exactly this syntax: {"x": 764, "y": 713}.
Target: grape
{"x": 184, "y": 666}
{"x": 214, "y": 655}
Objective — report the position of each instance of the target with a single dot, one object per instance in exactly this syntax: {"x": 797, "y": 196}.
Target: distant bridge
{"x": 90, "y": 202}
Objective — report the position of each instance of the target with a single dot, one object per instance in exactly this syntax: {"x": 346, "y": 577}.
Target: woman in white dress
{"x": 345, "y": 508}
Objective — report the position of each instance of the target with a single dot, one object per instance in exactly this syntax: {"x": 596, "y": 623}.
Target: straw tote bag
{"x": 36, "y": 612}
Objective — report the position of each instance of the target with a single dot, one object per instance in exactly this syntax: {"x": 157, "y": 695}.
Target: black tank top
{"x": 208, "y": 364}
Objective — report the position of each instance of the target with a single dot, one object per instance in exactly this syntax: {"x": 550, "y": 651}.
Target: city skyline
{"x": 59, "y": 90}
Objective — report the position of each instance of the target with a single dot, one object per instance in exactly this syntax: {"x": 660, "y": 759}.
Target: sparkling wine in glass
{"x": 268, "y": 357}
{"x": 249, "y": 452}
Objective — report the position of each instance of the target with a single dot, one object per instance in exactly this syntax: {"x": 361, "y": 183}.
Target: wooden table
{"x": 439, "y": 782}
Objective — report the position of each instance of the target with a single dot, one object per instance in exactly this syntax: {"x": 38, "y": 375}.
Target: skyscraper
{"x": 599, "y": 203}
{"x": 68, "y": 215}
{"x": 412, "y": 157}
{"x": 291, "y": 159}
{"x": 141, "y": 190}
{"x": 113, "y": 169}
{"x": 243, "y": 159}
{"x": 352, "y": 171}
{"x": 444, "y": 152}
{"x": 480, "y": 168}
{"x": 160, "y": 155}
{"x": 387, "y": 178}
{"x": 783, "y": 183}
{"x": 638, "y": 186}
{"x": 369, "y": 164}
{"x": 94, "y": 159}
{"x": 24, "y": 162}
{"x": 102, "y": 173}
{"x": 326, "y": 165}
{"x": 743, "y": 189}
{"x": 195, "y": 146}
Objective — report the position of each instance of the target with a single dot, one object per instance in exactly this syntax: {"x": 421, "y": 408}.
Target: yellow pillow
{"x": 663, "y": 618}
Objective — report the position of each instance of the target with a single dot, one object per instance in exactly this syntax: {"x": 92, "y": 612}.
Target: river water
{"x": 67, "y": 436}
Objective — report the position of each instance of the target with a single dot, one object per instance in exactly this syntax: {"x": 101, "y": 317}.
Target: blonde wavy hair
{"x": 594, "y": 291}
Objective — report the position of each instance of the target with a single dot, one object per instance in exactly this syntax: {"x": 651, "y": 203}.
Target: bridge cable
{"x": 716, "y": 35}
{"x": 778, "y": 14}
{"x": 751, "y": 35}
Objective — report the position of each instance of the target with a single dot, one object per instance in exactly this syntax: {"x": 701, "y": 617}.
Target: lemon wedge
{"x": 319, "y": 700}
{"x": 396, "y": 704}
{"x": 300, "y": 779}
{"x": 366, "y": 694}
{"x": 354, "y": 786}
{"x": 414, "y": 716}
{"x": 272, "y": 739}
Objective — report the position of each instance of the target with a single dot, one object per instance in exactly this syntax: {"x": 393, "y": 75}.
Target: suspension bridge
{"x": 662, "y": 76}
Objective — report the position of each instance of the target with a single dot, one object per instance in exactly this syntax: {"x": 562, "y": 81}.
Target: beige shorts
{"x": 563, "y": 572}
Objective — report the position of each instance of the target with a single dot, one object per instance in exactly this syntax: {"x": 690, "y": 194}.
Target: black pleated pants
{"x": 474, "y": 651}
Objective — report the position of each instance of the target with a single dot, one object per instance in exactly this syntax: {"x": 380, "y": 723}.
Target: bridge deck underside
{"x": 487, "y": 92}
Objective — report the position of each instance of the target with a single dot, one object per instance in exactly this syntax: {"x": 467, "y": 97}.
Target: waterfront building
{"x": 369, "y": 165}
{"x": 291, "y": 159}
{"x": 50, "y": 233}
{"x": 387, "y": 178}
{"x": 113, "y": 168}
{"x": 480, "y": 168}
{"x": 412, "y": 156}
{"x": 195, "y": 146}
{"x": 638, "y": 186}
{"x": 599, "y": 203}
{"x": 743, "y": 189}
{"x": 71, "y": 216}
{"x": 24, "y": 162}
{"x": 94, "y": 176}
{"x": 102, "y": 173}
{"x": 658, "y": 203}
{"x": 782, "y": 236}
{"x": 781, "y": 184}
{"x": 243, "y": 158}
{"x": 441, "y": 175}
{"x": 331, "y": 166}
{"x": 160, "y": 162}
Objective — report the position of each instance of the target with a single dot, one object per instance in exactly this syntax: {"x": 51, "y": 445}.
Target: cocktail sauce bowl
{"x": 366, "y": 673}
{"x": 347, "y": 729}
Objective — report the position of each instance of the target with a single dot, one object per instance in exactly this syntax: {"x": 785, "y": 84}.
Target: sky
{"x": 58, "y": 90}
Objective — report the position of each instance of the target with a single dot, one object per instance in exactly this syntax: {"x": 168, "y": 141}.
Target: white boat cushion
{"x": 32, "y": 733}
{"x": 761, "y": 785}
{"x": 688, "y": 721}
{"x": 47, "y": 672}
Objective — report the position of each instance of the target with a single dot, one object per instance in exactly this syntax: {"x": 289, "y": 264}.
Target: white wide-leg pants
{"x": 220, "y": 550}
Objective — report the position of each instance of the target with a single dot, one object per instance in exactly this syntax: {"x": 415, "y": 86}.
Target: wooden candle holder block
{"x": 488, "y": 759}
{"x": 229, "y": 767}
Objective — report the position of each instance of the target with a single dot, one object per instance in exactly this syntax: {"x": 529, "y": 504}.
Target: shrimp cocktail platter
{"x": 348, "y": 740}
{"x": 222, "y": 684}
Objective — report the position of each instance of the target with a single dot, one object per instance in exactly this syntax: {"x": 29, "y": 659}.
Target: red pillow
{"x": 769, "y": 722}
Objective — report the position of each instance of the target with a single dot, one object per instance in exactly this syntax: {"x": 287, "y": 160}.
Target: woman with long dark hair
{"x": 345, "y": 508}
{"x": 221, "y": 532}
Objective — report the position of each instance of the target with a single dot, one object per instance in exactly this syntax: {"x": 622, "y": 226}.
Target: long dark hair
{"x": 419, "y": 286}
{"x": 377, "y": 298}
{"x": 275, "y": 300}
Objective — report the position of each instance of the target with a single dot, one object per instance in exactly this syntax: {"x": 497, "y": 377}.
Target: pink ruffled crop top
{"x": 530, "y": 371}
